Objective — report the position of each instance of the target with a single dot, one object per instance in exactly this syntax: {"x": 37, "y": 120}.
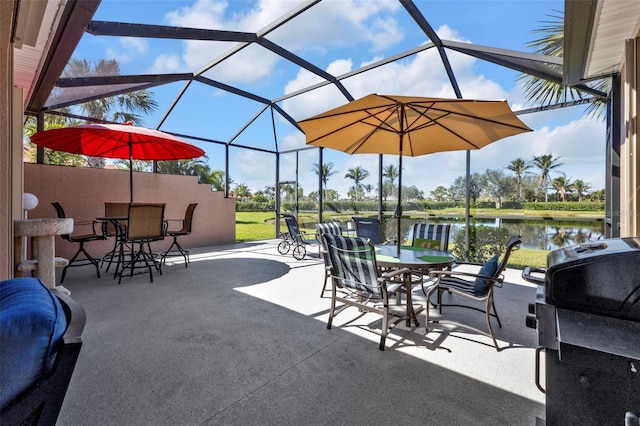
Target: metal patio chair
{"x": 371, "y": 229}
{"x": 326, "y": 228}
{"x": 175, "y": 247}
{"x": 81, "y": 239}
{"x": 145, "y": 224}
{"x": 431, "y": 235}
{"x": 474, "y": 287}
{"x": 357, "y": 281}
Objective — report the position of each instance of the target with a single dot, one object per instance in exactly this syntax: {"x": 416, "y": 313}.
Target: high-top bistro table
{"x": 415, "y": 258}
{"x": 116, "y": 222}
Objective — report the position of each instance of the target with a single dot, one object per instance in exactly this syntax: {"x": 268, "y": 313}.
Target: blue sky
{"x": 340, "y": 36}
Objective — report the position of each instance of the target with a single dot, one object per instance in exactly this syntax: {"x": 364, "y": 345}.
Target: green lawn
{"x": 255, "y": 226}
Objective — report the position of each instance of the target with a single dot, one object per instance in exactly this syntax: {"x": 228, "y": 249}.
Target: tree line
{"x": 520, "y": 180}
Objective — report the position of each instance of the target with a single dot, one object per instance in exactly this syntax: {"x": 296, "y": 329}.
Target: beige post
{"x": 42, "y": 233}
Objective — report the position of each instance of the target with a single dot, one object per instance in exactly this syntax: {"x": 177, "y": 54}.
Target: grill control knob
{"x": 532, "y": 308}
{"x": 531, "y": 321}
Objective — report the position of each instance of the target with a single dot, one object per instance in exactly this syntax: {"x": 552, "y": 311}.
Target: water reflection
{"x": 536, "y": 234}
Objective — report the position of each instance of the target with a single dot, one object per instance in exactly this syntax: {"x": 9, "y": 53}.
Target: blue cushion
{"x": 32, "y": 323}
{"x": 488, "y": 269}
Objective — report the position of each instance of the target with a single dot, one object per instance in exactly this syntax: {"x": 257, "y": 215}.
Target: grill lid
{"x": 600, "y": 277}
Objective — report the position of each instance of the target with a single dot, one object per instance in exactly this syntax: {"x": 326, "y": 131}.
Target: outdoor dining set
{"x": 369, "y": 272}
{"x": 133, "y": 227}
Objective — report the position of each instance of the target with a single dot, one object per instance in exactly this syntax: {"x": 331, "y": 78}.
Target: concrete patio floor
{"x": 239, "y": 338}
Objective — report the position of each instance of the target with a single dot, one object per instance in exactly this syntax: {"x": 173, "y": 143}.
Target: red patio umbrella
{"x": 123, "y": 141}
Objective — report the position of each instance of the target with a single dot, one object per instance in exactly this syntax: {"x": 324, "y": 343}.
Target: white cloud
{"x": 325, "y": 25}
{"x": 166, "y": 64}
{"x": 127, "y": 50}
{"x": 422, "y": 75}
{"x": 252, "y": 168}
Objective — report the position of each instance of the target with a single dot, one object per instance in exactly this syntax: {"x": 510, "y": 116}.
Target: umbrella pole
{"x": 130, "y": 180}
{"x": 130, "y": 170}
{"x": 398, "y": 212}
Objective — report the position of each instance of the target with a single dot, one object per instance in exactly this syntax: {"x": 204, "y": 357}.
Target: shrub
{"x": 588, "y": 206}
{"x": 484, "y": 242}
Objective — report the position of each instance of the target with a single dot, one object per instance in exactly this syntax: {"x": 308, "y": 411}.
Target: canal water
{"x": 540, "y": 234}
{"x": 546, "y": 234}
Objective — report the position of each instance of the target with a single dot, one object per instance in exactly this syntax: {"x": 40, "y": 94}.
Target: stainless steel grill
{"x": 587, "y": 313}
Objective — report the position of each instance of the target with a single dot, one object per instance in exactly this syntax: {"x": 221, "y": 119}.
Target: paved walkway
{"x": 239, "y": 338}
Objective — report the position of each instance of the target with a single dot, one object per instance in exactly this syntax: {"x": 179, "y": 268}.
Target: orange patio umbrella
{"x": 411, "y": 126}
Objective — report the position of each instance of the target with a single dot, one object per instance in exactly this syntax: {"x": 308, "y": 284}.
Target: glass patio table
{"x": 413, "y": 258}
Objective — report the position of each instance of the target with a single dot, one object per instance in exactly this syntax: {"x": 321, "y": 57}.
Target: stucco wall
{"x": 6, "y": 221}
{"x": 82, "y": 193}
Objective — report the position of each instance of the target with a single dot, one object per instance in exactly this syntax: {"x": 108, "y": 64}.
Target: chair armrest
{"x": 440, "y": 274}
{"x": 166, "y": 223}
{"x": 91, "y": 223}
{"x": 387, "y": 276}
{"x": 462, "y": 262}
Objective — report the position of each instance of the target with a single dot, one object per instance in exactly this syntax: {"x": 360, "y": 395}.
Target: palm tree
{"x": 358, "y": 174}
{"x": 519, "y": 167}
{"x": 121, "y": 108}
{"x": 545, "y": 92}
{"x": 581, "y": 188}
{"x": 562, "y": 185}
{"x": 368, "y": 187}
{"x": 51, "y": 121}
{"x": 270, "y": 192}
{"x": 327, "y": 171}
{"x": 391, "y": 173}
{"x": 137, "y": 165}
{"x": 217, "y": 180}
{"x": 242, "y": 191}
{"x": 545, "y": 163}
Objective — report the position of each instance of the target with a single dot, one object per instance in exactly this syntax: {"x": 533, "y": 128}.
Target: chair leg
{"x": 153, "y": 257}
{"x": 493, "y": 337}
{"x": 117, "y": 242}
{"x": 385, "y": 327}
{"x": 324, "y": 285}
{"x": 91, "y": 259}
{"x": 429, "y": 293}
{"x": 139, "y": 256}
{"x": 178, "y": 248}
{"x": 495, "y": 312}
{"x": 490, "y": 304}
{"x": 333, "y": 306}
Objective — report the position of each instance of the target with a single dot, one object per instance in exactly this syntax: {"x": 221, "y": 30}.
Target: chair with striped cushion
{"x": 326, "y": 228}
{"x": 432, "y": 233}
{"x": 474, "y": 287}
{"x": 356, "y": 281}
{"x": 431, "y": 236}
